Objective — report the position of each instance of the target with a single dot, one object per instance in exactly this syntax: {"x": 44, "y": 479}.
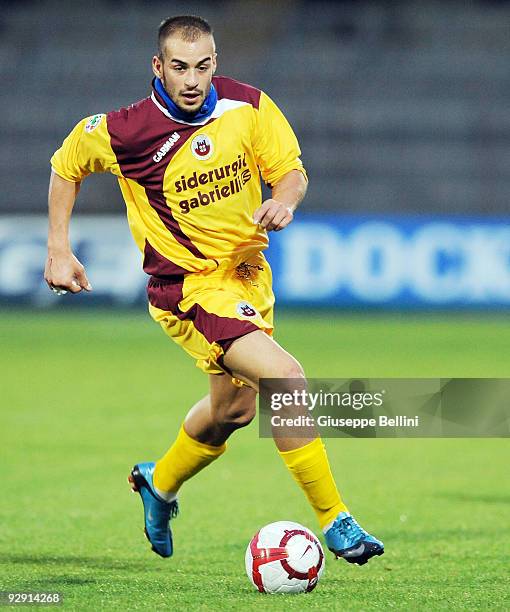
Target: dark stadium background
{"x": 400, "y": 107}
{"x": 397, "y": 265}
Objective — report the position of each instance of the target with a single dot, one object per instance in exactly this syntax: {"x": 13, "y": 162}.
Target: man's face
{"x": 186, "y": 70}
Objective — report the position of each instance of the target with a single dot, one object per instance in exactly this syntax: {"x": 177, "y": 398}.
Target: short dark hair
{"x": 189, "y": 27}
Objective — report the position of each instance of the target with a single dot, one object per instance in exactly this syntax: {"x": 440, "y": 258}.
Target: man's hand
{"x": 63, "y": 272}
{"x": 273, "y": 215}
{"x": 277, "y": 212}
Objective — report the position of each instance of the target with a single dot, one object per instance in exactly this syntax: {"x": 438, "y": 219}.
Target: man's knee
{"x": 293, "y": 371}
{"x": 289, "y": 382}
{"x": 287, "y": 376}
{"x": 238, "y": 413}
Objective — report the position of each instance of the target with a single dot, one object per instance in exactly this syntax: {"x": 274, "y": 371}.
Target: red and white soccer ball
{"x": 284, "y": 557}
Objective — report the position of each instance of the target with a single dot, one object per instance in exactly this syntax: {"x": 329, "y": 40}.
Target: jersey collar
{"x": 168, "y": 107}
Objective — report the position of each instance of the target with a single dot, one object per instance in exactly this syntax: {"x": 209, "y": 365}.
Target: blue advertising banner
{"x": 102, "y": 243}
{"x": 392, "y": 261}
{"x": 330, "y": 260}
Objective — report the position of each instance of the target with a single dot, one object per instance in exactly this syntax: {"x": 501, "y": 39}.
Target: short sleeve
{"x": 275, "y": 145}
{"x": 87, "y": 149}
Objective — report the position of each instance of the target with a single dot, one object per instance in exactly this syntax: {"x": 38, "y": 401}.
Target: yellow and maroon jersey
{"x": 190, "y": 189}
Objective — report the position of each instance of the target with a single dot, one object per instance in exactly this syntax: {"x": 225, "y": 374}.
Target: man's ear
{"x": 157, "y": 66}
{"x": 214, "y": 64}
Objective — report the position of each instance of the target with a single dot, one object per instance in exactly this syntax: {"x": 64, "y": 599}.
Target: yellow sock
{"x": 185, "y": 458}
{"x": 310, "y": 467}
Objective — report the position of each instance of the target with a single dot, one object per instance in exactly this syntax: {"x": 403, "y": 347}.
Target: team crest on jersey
{"x": 246, "y": 310}
{"x": 202, "y": 146}
{"x": 93, "y": 122}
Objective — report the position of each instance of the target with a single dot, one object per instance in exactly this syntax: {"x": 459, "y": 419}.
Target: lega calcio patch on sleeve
{"x": 93, "y": 122}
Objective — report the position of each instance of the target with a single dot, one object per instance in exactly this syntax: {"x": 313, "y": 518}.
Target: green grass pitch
{"x": 85, "y": 395}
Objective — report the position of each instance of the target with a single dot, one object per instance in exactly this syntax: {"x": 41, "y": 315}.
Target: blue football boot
{"x": 157, "y": 512}
{"x": 345, "y": 538}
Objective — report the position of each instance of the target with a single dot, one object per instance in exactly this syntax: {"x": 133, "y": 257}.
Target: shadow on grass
{"x": 71, "y": 562}
{"x": 476, "y": 497}
{"x": 60, "y": 581}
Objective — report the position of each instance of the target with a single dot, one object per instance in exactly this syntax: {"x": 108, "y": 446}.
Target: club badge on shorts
{"x": 202, "y": 146}
{"x": 246, "y": 310}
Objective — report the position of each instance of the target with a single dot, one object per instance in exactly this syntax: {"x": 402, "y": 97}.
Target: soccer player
{"x": 187, "y": 159}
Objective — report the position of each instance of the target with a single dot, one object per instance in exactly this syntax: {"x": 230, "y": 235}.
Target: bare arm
{"x": 63, "y": 270}
{"x": 277, "y": 212}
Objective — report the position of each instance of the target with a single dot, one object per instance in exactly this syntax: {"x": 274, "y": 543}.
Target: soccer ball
{"x": 284, "y": 557}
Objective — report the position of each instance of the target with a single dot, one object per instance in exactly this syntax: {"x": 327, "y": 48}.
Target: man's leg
{"x": 200, "y": 441}
{"x": 257, "y": 356}
{"x": 203, "y": 434}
